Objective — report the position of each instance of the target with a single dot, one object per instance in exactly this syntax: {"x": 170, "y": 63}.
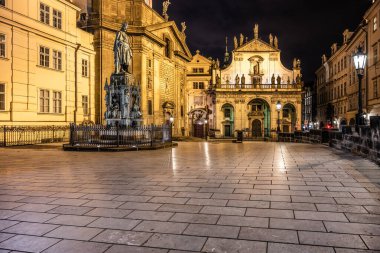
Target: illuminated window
{"x": 44, "y": 101}
{"x": 84, "y": 68}
{"x": 375, "y": 54}
{"x": 44, "y": 13}
{"x": 85, "y": 105}
{"x": 374, "y": 24}
{"x": 2, "y": 97}
{"x": 44, "y": 56}
{"x": 198, "y": 85}
{"x": 2, "y": 2}
{"x": 57, "y": 19}
{"x": 201, "y": 70}
{"x": 2, "y": 45}
{"x": 57, "y": 60}
{"x": 57, "y": 102}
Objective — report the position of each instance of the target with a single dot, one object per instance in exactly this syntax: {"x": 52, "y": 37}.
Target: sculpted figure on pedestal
{"x": 122, "y": 51}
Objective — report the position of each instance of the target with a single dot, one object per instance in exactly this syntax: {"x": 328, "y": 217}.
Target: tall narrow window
{"x": 44, "y": 100}
{"x": 167, "y": 48}
{"x": 150, "y": 107}
{"x": 201, "y": 85}
{"x": 44, "y": 56}
{"x": 57, "y": 60}
{"x": 2, "y": 97}
{"x": 375, "y": 89}
{"x": 85, "y": 105}
{"x": 374, "y": 24}
{"x": 2, "y": 45}
{"x": 84, "y": 68}
{"x": 57, "y": 102}
{"x": 57, "y": 19}
{"x": 44, "y": 13}
{"x": 375, "y": 54}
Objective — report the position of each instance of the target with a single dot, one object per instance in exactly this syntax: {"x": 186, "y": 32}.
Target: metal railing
{"x": 29, "y": 135}
{"x": 258, "y": 86}
{"x": 104, "y": 136}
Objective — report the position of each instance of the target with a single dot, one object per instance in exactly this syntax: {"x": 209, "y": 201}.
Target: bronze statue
{"x": 122, "y": 51}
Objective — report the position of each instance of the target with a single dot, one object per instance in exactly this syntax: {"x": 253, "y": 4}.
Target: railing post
{"x": 117, "y": 133}
{"x": 53, "y": 134}
{"x": 5, "y": 136}
{"x": 151, "y": 135}
{"x": 71, "y": 134}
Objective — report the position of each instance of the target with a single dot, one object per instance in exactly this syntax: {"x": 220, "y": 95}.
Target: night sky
{"x": 305, "y": 28}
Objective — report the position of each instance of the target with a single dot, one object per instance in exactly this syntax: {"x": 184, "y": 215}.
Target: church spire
{"x": 256, "y": 31}
{"x": 226, "y": 55}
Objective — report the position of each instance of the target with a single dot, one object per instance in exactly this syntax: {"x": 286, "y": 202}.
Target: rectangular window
{"x": 44, "y": 13}
{"x": 375, "y": 54}
{"x": 44, "y": 56}
{"x": 195, "y": 70}
{"x": 85, "y": 105}
{"x": 84, "y": 68}
{"x": 227, "y": 113}
{"x": 374, "y": 24}
{"x": 44, "y": 100}
{"x": 375, "y": 90}
{"x": 57, "y": 60}
{"x": 201, "y": 85}
{"x": 150, "y": 107}
{"x": 195, "y": 85}
{"x": 2, "y": 45}
{"x": 2, "y": 2}
{"x": 182, "y": 111}
{"x": 57, "y": 102}
{"x": 2, "y": 97}
{"x": 57, "y": 19}
{"x": 201, "y": 70}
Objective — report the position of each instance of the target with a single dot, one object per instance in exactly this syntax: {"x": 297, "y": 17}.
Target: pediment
{"x": 256, "y": 45}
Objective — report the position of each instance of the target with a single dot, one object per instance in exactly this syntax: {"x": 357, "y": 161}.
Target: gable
{"x": 256, "y": 45}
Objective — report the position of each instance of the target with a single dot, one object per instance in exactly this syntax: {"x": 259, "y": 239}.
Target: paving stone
{"x": 316, "y": 200}
{"x": 74, "y": 233}
{"x": 340, "y": 250}
{"x": 270, "y": 213}
{"x": 355, "y": 201}
{"x": 373, "y": 242}
{"x": 28, "y": 243}
{"x": 123, "y": 237}
{"x": 71, "y": 210}
{"x": 243, "y": 203}
{"x": 104, "y": 203}
{"x": 161, "y": 227}
{"x": 340, "y": 208}
{"x": 244, "y": 221}
{"x": 9, "y": 205}
{"x": 110, "y": 213}
{"x": 140, "y": 206}
{"x": 271, "y": 198}
{"x": 5, "y": 214}
{"x": 331, "y": 194}
{"x": 180, "y": 208}
{"x": 134, "y": 249}
{"x": 95, "y": 196}
{"x": 223, "y": 210}
{"x": 292, "y": 224}
{"x": 270, "y": 235}
{"x": 114, "y": 223}
{"x": 69, "y": 246}
{"x": 126, "y": 198}
{"x": 364, "y": 218}
{"x": 4, "y": 236}
{"x": 195, "y": 218}
{"x": 69, "y": 202}
{"x": 217, "y": 190}
{"x": 159, "y": 193}
{"x": 352, "y": 228}
{"x": 331, "y": 239}
{"x": 72, "y": 220}
{"x": 207, "y": 202}
{"x": 293, "y": 206}
{"x": 180, "y": 242}
{"x": 291, "y": 248}
{"x": 6, "y": 224}
{"x": 33, "y": 217}
{"x": 212, "y": 230}
{"x": 150, "y": 215}
{"x": 234, "y": 246}
{"x": 28, "y": 228}
{"x": 35, "y": 207}
{"x": 290, "y": 193}
{"x": 197, "y": 195}
{"x": 37, "y": 200}
{"x": 326, "y": 216}
{"x": 252, "y": 191}
{"x": 373, "y": 209}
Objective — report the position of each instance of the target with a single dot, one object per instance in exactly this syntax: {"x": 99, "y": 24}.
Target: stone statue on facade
{"x": 256, "y": 31}
{"x": 241, "y": 39}
{"x": 217, "y": 79}
{"x": 298, "y": 63}
{"x": 236, "y": 45}
{"x": 237, "y": 79}
{"x": 165, "y": 7}
{"x": 278, "y": 80}
{"x": 122, "y": 51}
{"x": 243, "y": 80}
{"x": 183, "y": 24}
{"x": 298, "y": 79}
{"x": 273, "y": 79}
{"x": 275, "y": 42}
{"x": 271, "y": 39}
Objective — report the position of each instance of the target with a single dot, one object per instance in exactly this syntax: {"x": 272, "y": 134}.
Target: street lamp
{"x": 360, "y": 60}
{"x": 278, "y": 107}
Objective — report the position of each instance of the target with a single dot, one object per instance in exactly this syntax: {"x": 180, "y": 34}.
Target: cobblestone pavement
{"x": 199, "y": 197}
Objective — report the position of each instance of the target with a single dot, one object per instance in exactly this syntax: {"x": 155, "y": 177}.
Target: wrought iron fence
{"x": 28, "y": 135}
{"x": 105, "y": 136}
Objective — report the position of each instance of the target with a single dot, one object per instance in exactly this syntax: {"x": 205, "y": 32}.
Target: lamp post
{"x": 278, "y": 107}
{"x": 360, "y": 60}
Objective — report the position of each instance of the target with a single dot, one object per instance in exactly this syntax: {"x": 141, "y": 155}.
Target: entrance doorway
{"x": 256, "y": 128}
{"x": 198, "y": 131}
{"x": 227, "y": 130}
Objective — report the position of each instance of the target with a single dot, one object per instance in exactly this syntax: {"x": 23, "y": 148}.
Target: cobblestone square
{"x": 198, "y": 197}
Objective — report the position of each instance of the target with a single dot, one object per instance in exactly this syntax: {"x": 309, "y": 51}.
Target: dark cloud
{"x": 306, "y": 28}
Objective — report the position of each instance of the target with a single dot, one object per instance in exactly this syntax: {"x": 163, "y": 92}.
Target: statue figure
{"x": 278, "y": 79}
{"x": 183, "y": 24}
{"x": 298, "y": 63}
{"x": 275, "y": 42}
{"x": 271, "y": 39}
{"x": 243, "y": 80}
{"x": 114, "y": 106}
{"x": 294, "y": 63}
{"x": 217, "y": 79}
{"x": 217, "y": 63}
{"x": 273, "y": 80}
{"x": 288, "y": 80}
{"x": 241, "y": 39}
{"x": 298, "y": 79}
{"x": 236, "y": 45}
{"x": 237, "y": 79}
{"x": 256, "y": 31}
{"x": 165, "y": 7}
{"x": 122, "y": 51}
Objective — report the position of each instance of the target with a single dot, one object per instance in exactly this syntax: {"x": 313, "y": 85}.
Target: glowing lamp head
{"x": 360, "y": 60}
{"x": 278, "y": 106}
{"x": 171, "y": 119}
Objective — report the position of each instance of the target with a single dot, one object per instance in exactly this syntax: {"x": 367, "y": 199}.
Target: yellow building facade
{"x": 160, "y": 57}
{"x": 47, "y": 64}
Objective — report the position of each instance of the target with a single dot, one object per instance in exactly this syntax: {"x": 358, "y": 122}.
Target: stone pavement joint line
{"x": 199, "y": 197}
